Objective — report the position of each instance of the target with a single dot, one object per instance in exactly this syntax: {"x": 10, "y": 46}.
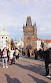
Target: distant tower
{"x": 30, "y": 34}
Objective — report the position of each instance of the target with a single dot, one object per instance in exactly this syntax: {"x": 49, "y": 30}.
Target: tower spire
{"x": 35, "y": 24}
{"x": 29, "y": 23}
{"x": 4, "y": 28}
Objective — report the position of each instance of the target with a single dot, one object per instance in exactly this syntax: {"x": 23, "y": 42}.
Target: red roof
{"x": 47, "y": 41}
{"x": 38, "y": 39}
{"x": 44, "y": 40}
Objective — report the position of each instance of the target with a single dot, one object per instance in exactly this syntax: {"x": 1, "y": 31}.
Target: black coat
{"x": 46, "y": 56}
{"x": 1, "y": 54}
{"x": 50, "y": 55}
{"x": 40, "y": 52}
{"x": 28, "y": 53}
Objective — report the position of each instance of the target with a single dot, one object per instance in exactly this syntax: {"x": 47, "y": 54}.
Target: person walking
{"x": 0, "y": 53}
{"x": 28, "y": 52}
{"x": 36, "y": 53}
{"x": 4, "y": 57}
{"x": 14, "y": 57}
{"x": 47, "y": 57}
{"x": 8, "y": 52}
{"x": 11, "y": 55}
{"x": 17, "y": 54}
{"x": 40, "y": 53}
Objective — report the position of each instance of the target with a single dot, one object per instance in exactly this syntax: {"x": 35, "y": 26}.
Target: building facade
{"x": 4, "y": 39}
{"x": 47, "y": 43}
{"x": 38, "y": 43}
{"x": 19, "y": 43}
{"x": 30, "y": 34}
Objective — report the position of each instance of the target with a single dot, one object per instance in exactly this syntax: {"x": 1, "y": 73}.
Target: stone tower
{"x": 30, "y": 34}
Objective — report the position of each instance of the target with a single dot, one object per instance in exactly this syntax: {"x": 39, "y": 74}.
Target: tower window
{"x": 29, "y": 20}
{"x": 28, "y": 37}
{"x": 2, "y": 37}
{"x": 6, "y": 37}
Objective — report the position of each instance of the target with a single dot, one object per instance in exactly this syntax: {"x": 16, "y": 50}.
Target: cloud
{"x": 42, "y": 29}
{"x": 4, "y": 3}
{"x": 13, "y": 2}
{"x": 46, "y": 31}
{"x": 7, "y": 20}
{"x": 13, "y": 14}
{"x": 43, "y": 3}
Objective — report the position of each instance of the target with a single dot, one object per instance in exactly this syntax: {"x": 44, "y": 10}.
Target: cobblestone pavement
{"x": 26, "y": 70}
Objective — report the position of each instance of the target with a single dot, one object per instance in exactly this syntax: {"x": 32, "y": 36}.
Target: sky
{"x": 14, "y": 13}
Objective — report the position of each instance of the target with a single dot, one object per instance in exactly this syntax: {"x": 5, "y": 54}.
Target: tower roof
{"x": 35, "y": 24}
{"x": 29, "y": 23}
{"x": 4, "y": 32}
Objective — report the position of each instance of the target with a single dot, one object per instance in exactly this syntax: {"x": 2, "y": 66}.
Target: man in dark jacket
{"x": 50, "y": 55}
{"x": 47, "y": 58}
{"x": 0, "y": 53}
{"x": 40, "y": 53}
{"x": 28, "y": 52}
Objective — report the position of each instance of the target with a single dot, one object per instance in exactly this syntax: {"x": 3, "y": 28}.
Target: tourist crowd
{"x": 41, "y": 54}
{"x": 10, "y": 56}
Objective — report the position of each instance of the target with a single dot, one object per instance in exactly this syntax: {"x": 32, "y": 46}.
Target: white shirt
{"x": 11, "y": 54}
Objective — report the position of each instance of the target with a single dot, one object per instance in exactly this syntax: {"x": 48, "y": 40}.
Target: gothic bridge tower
{"x": 30, "y": 34}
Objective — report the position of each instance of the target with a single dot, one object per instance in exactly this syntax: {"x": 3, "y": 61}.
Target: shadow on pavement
{"x": 37, "y": 80}
{"x": 29, "y": 57}
{"x": 12, "y": 80}
{"x": 33, "y": 58}
{"x": 39, "y": 69}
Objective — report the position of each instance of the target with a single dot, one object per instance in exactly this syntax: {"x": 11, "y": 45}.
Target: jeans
{"x": 5, "y": 61}
{"x": 14, "y": 59}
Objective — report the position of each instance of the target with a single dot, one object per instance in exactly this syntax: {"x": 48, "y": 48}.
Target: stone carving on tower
{"x": 30, "y": 34}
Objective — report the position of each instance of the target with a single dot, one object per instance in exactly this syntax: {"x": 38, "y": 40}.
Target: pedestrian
{"x": 11, "y": 55}
{"x": 47, "y": 57}
{"x": 8, "y": 53}
{"x": 40, "y": 53}
{"x": 14, "y": 57}
{"x": 4, "y": 57}
{"x": 28, "y": 52}
{"x": 17, "y": 54}
{"x": 50, "y": 55}
{"x": 0, "y": 53}
{"x": 36, "y": 53}
{"x": 31, "y": 53}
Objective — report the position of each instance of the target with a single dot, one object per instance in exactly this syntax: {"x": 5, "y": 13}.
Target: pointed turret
{"x": 35, "y": 30}
{"x": 35, "y": 24}
{"x": 29, "y": 23}
{"x": 4, "y": 28}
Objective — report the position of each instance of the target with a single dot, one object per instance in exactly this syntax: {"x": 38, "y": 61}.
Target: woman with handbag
{"x": 4, "y": 57}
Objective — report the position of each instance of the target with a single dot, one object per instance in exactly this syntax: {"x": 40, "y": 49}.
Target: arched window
{"x": 6, "y": 37}
{"x": 2, "y": 37}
